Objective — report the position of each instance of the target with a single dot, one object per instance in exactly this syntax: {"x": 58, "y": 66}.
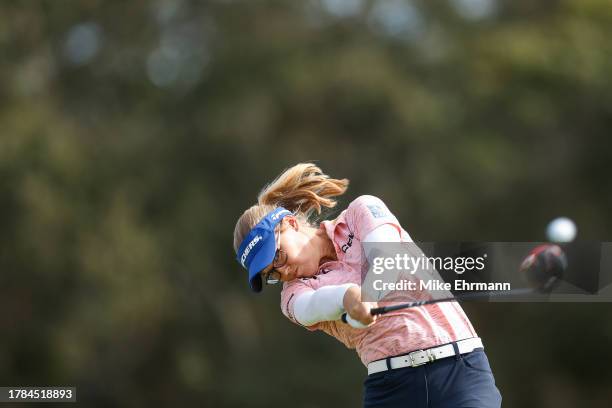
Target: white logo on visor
{"x": 248, "y": 249}
{"x": 278, "y": 214}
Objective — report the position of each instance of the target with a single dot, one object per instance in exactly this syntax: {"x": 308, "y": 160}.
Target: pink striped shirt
{"x": 394, "y": 333}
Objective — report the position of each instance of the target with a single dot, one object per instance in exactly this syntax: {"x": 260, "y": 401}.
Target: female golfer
{"x": 426, "y": 356}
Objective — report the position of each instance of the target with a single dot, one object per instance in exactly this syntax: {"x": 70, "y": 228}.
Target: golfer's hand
{"x": 357, "y": 309}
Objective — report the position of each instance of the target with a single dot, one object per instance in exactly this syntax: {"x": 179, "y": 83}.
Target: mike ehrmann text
{"x": 434, "y": 285}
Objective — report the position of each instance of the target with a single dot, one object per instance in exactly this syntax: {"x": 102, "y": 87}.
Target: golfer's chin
{"x": 302, "y": 271}
{"x": 307, "y": 271}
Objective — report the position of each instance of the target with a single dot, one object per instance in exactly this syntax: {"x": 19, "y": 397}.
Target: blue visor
{"x": 259, "y": 247}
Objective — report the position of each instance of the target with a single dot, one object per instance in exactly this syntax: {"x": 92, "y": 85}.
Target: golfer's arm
{"x": 323, "y": 304}
{"x": 383, "y": 233}
{"x": 326, "y": 303}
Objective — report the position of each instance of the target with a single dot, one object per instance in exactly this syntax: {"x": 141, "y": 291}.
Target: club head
{"x": 544, "y": 267}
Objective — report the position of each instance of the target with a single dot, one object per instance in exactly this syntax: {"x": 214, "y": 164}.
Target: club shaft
{"x": 465, "y": 296}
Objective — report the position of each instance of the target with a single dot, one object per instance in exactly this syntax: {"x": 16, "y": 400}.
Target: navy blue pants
{"x": 461, "y": 381}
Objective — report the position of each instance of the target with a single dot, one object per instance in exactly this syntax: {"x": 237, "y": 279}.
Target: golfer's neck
{"x": 325, "y": 245}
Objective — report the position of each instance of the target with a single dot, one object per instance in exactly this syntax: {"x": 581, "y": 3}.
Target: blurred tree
{"x": 134, "y": 135}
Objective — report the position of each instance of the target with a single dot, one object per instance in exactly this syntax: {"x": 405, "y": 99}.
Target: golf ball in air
{"x": 561, "y": 229}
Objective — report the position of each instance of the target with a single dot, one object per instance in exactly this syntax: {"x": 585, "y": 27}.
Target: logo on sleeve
{"x": 287, "y": 308}
{"x": 378, "y": 211}
{"x": 349, "y": 243}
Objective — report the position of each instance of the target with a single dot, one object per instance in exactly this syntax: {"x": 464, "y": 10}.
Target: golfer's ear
{"x": 292, "y": 222}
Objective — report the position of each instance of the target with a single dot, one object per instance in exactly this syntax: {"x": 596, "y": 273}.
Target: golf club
{"x": 542, "y": 268}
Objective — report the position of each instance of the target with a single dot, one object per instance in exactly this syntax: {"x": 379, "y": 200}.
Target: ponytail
{"x": 303, "y": 189}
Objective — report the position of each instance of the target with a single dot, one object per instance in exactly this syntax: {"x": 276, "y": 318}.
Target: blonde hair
{"x": 303, "y": 189}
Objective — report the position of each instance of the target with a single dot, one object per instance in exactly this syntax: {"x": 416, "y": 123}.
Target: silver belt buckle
{"x": 430, "y": 357}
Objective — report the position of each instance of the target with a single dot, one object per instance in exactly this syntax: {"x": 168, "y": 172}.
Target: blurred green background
{"x": 133, "y": 135}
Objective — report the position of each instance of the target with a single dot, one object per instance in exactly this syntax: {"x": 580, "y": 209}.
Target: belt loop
{"x": 388, "y": 361}
{"x": 456, "y": 347}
